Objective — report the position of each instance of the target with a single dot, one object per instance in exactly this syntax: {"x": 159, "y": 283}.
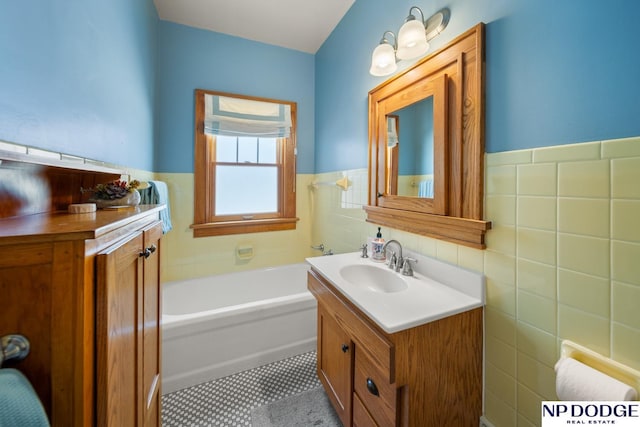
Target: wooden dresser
{"x": 85, "y": 290}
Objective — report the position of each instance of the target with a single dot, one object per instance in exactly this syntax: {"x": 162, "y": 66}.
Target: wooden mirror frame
{"x": 457, "y": 212}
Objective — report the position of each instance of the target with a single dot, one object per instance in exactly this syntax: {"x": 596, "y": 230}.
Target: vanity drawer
{"x": 380, "y": 349}
{"x": 377, "y": 395}
{"x": 361, "y": 417}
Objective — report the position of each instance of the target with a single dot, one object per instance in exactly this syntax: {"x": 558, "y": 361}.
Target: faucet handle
{"x": 406, "y": 266}
{"x": 393, "y": 260}
{"x": 364, "y": 251}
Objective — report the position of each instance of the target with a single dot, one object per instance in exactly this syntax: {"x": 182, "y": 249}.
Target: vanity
{"x": 396, "y": 350}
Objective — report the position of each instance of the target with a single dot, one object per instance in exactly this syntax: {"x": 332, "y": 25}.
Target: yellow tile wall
{"x": 576, "y": 244}
{"x": 562, "y": 257}
{"x": 562, "y": 262}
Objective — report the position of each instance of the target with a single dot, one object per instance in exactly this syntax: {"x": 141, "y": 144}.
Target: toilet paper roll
{"x": 576, "y": 381}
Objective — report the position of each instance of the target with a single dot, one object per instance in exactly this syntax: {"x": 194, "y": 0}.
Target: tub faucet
{"x": 320, "y": 247}
{"x": 396, "y": 257}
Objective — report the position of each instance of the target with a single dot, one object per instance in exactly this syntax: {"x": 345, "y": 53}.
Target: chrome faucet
{"x": 396, "y": 261}
{"x": 320, "y": 247}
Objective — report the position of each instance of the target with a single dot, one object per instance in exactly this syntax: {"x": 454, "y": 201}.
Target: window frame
{"x": 205, "y": 222}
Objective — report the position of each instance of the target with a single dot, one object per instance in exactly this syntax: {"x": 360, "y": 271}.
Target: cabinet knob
{"x": 148, "y": 251}
{"x": 371, "y": 386}
{"x": 345, "y": 348}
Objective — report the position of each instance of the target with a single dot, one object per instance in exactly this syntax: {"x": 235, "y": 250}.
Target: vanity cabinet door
{"x": 335, "y": 351}
{"x": 151, "y": 338}
{"x": 128, "y": 332}
{"x": 119, "y": 276}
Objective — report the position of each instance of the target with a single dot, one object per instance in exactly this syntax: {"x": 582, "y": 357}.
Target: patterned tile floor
{"x": 228, "y": 401}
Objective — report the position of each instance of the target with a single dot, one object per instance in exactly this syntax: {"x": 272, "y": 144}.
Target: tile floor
{"x": 228, "y": 401}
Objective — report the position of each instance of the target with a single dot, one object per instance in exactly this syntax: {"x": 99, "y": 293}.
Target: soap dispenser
{"x": 377, "y": 247}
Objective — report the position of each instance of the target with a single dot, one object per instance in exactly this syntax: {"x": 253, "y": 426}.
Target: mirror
{"x": 426, "y": 145}
{"x": 410, "y": 150}
{"x": 412, "y": 139}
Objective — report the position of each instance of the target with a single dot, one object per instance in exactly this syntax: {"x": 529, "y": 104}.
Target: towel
{"x": 19, "y": 404}
{"x": 158, "y": 194}
{"x": 425, "y": 188}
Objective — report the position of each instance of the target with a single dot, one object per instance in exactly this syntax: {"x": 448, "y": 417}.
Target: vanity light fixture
{"x": 412, "y": 41}
{"x": 383, "y": 59}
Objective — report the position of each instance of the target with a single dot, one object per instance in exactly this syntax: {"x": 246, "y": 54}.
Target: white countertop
{"x": 437, "y": 290}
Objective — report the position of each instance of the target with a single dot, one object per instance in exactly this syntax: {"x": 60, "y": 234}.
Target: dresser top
{"x": 68, "y": 226}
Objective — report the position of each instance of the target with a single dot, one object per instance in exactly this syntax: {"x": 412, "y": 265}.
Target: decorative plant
{"x": 115, "y": 190}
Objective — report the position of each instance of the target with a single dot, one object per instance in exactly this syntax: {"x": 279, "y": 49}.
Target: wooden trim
{"x": 243, "y": 227}
{"x": 201, "y": 178}
{"x": 462, "y": 231}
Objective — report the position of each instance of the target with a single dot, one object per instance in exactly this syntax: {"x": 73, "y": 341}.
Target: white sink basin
{"x": 375, "y": 278}
{"x": 396, "y": 302}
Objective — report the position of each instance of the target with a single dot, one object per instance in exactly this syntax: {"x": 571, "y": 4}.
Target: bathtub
{"x": 219, "y": 325}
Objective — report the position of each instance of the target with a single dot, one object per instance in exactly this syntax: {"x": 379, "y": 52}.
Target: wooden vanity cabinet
{"x": 82, "y": 290}
{"x": 428, "y": 375}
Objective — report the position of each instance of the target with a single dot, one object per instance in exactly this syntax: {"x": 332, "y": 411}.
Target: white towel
{"x": 425, "y": 188}
{"x": 576, "y": 381}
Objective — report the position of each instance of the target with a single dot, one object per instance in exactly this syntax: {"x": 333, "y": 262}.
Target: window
{"x": 244, "y": 164}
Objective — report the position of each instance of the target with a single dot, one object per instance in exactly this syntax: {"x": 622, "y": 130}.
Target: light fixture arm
{"x": 385, "y": 40}
{"x": 411, "y": 16}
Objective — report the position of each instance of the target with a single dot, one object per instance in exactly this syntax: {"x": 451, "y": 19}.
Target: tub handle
{"x": 345, "y": 348}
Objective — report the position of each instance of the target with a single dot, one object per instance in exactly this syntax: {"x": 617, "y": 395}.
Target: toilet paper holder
{"x": 601, "y": 363}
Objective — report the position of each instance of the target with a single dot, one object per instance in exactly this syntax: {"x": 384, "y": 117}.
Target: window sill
{"x": 243, "y": 227}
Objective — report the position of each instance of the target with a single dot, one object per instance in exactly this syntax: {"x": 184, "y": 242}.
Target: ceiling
{"x": 295, "y": 24}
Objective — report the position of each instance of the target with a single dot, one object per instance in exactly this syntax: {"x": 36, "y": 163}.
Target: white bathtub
{"x": 219, "y": 325}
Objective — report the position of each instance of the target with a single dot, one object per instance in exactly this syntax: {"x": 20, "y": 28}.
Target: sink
{"x": 395, "y": 302}
{"x": 375, "y": 278}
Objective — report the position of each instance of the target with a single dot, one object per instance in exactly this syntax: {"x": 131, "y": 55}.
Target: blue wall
{"x": 556, "y": 72}
{"x": 191, "y": 59}
{"x": 78, "y": 76}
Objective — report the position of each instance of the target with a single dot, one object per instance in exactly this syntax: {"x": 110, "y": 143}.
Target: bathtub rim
{"x": 173, "y": 326}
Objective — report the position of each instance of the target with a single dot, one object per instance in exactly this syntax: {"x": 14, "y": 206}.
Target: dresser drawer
{"x": 377, "y": 395}
{"x": 361, "y": 417}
